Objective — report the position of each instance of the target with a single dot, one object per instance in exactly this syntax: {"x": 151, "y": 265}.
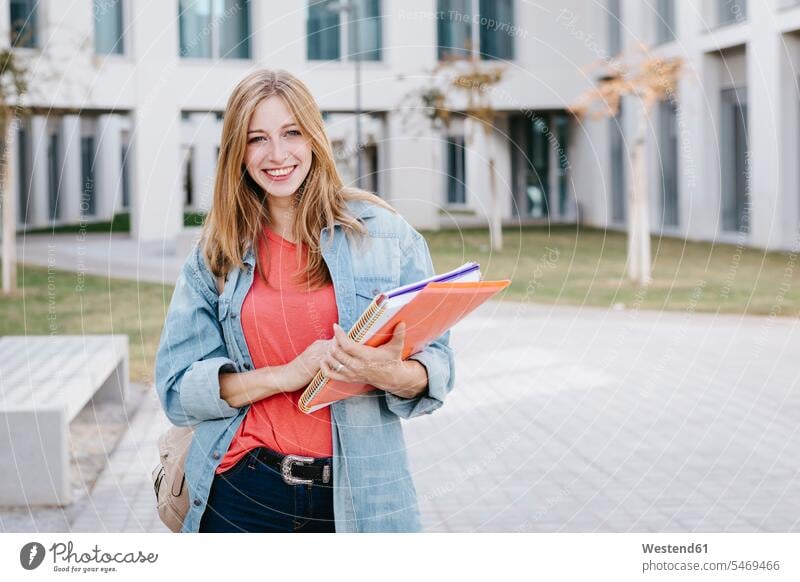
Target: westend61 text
{"x": 671, "y": 549}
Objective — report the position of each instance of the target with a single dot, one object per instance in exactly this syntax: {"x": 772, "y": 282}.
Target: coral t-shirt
{"x": 280, "y": 321}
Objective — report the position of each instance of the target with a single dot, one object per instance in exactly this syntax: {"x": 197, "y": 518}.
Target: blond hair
{"x": 239, "y": 211}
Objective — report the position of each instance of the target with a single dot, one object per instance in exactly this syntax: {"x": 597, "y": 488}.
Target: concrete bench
{"x": 44, "y": 382}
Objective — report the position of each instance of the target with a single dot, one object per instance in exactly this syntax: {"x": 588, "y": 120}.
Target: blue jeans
{"x": 253, "y": 497}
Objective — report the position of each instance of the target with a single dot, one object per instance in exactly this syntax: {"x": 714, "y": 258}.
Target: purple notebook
{"x": 442, "y": 278}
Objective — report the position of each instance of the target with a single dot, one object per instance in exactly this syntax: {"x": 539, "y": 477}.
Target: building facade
{"x": 129, "y": 99}
{"x": 723, "y": 150}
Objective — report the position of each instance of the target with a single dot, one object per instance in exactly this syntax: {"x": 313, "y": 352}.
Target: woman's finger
{"x": 340, "y": 356}
{"x": 330, "y": 373}
{"x": 344, "y": 343}
{"x": 349, "y": 368}
{"x": 332, "y": 362}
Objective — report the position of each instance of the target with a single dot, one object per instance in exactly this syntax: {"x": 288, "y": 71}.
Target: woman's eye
{"x": 293, "y": 132}
{"x": 257, "y": 139}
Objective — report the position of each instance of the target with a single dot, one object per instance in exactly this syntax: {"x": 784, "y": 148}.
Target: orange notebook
{"x": 428, "y": 313}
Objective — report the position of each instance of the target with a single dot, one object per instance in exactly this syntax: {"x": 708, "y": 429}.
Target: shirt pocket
{"x": 367, "y": 288}
{"x": 377, "y": 259}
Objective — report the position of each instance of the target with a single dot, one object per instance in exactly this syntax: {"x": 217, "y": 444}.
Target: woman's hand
{"x": 305, "y": 366}
{"x": 382, "y": 367}
{"x": 239, "y": 389}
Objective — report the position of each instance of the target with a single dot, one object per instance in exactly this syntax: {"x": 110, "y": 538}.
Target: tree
{"x": 457, "y": 81}
{"x": 647, "y": 80}
{"x": 13, "y": 87}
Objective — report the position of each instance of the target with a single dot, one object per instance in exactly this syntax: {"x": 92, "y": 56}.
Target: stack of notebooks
{"x": 429, "y": 308}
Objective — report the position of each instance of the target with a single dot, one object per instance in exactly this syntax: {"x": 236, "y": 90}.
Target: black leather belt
{"x": 294, "y": 469}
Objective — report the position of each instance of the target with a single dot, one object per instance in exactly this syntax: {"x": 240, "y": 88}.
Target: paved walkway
{"x": 575, "y": 420}
{"x": 123, "y": 498}
{"x": 111, "y": 255}
{"x": 578, "y": 420}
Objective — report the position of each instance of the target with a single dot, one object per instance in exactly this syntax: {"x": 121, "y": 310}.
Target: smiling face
{"x": 278, "y": 156}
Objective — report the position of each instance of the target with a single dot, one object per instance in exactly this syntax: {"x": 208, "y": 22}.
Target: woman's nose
{"x": 277, "y": 153}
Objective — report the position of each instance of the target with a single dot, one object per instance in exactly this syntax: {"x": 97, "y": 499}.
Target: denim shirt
{"x": 202, "y": 336}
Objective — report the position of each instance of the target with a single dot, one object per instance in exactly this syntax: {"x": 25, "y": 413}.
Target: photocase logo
{"x": 31, "y": 555}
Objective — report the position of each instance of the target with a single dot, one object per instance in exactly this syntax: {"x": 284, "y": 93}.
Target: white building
{"x": 130, "y": 97}
{"x": 724, "y": 151}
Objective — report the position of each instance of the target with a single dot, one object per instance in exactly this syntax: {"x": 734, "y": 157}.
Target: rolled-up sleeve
{"x": 437, "y": 358}
{"x": 192, "y": 353}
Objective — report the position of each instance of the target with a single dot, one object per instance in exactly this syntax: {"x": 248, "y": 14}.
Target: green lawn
{"x": 62, "y": 303}
{"x": 569, "y": 265}
{"x": 562, "y": 265}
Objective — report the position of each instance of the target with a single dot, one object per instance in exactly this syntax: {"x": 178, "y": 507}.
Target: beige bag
{"x": 169, "y": 479}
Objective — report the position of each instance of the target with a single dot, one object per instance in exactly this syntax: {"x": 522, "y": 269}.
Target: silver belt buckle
{"x": 286, "y": 469}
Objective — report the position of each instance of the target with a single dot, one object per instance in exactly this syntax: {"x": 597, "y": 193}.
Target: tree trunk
{"x": 639, "y": 265}
{"x": 496, "y": 222}
{"x": 9, "y": 209}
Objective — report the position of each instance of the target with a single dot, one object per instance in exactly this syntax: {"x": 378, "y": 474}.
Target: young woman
{"x": 288, "y": 260}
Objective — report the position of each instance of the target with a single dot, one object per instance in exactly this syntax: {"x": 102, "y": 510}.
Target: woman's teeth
{"x": 280, "y": 172}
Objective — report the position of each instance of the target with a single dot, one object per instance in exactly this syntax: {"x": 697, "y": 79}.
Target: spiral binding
{"x": 357, "y": 333}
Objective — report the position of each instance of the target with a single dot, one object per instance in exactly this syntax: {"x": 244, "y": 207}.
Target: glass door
{"x": 530, "y": 165}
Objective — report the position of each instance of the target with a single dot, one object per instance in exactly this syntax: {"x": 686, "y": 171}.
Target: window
{"x": 214, "y": 29}
{"x": 188, "y": 182}
{"x": 495, "y": 28}
{"x": 614, "y": 27}
{"x": 668, "y": 154}
{"x": 323, "y": 32}
{"x": 496, "y": 32}
{"x": 665, "y": 21}
{"x": 453, "y": 28}
{"x": 234, "y": 28}
{"x": 126, "y": 177}
{"x": 24, "y": 23}
{"x": 731, "y": 11}
{"x": 618, "y": 187}
{"x": 733, "y": 138}
{"x": 456, "y": 175}
{"x": 360, "y": 30}
{"x": 370, "y": 178}
{"x": 24, "y": 175}
{"x": 53, "y": 175}
{"x": 538, "y": 190}
{"x": 108, "y": 30}
{"x": 366, "y": 28}
{"x": 561, "y": 122}
{"x": 87, "y": 174}
{"x": 531, "y": 149}
{"x": 195, "y": 17}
